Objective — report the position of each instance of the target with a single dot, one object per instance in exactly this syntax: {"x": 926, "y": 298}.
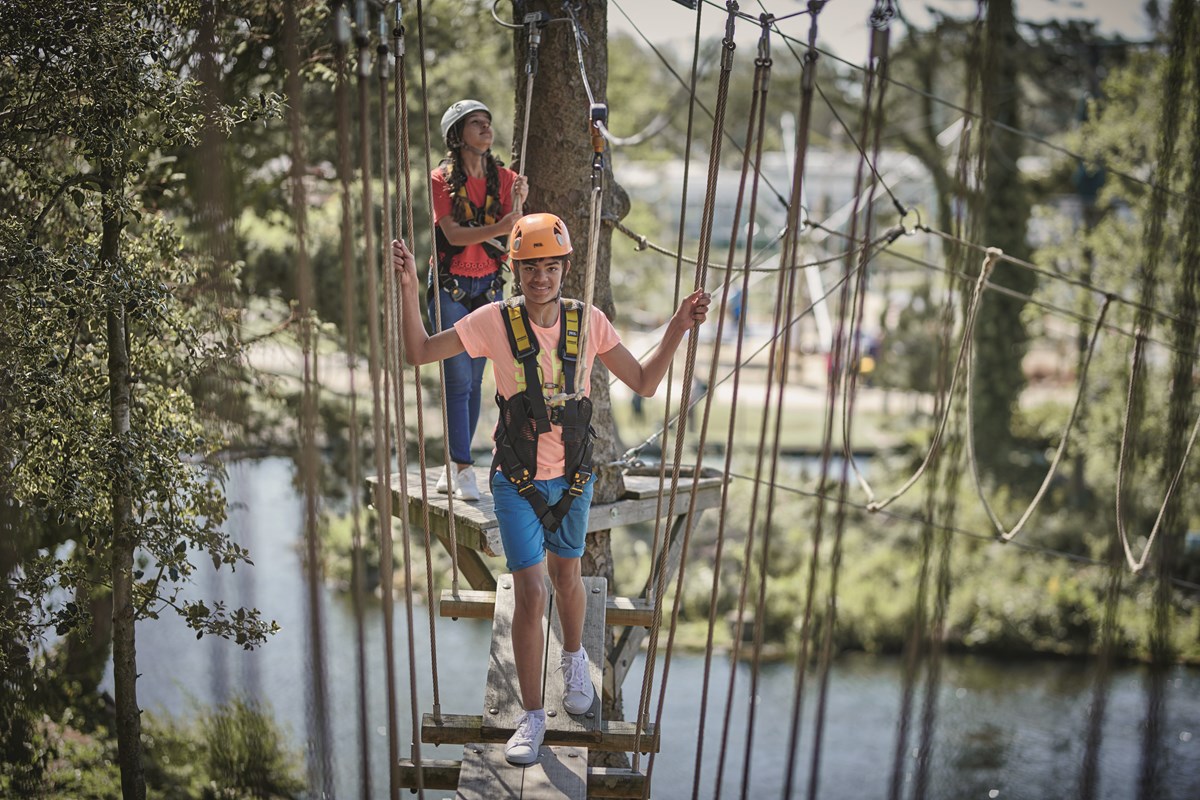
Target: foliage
{"x": 90, "y": 109}
{"x": 231, "y": 752}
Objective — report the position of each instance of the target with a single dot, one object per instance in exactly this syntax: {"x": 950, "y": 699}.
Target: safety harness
{"x": 472, "y": 216}
{"x": 525, "y": 416}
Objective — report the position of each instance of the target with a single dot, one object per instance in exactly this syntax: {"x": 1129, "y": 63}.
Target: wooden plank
{"x": 601, "y": 781}
{"x": 616, "y": 736}
{"x": 595, "y": 592}
{"x": 436, "y": 774}
{"x": 559, "y": 772}
{"x": 615, "y": 782}
{"x": 502, "y": 695}
{"x": 472, "y": 604}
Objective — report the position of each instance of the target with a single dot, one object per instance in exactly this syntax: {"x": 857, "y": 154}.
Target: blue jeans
{"x": 464, "y": 374}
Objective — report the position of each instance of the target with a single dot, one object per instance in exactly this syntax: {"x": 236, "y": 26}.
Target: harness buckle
{"x": 456, "y": 292}
{"x": 582, "y": 476}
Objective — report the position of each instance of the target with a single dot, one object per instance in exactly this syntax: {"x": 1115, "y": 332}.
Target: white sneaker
{"x": 578, "y": 692}
{"x": 465, "y": 487}
{"x": 522, "y": 747}
{"x": 443, "y": 481}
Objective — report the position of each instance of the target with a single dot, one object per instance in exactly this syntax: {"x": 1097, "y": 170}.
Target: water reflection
{"x": 1004, "y": 729}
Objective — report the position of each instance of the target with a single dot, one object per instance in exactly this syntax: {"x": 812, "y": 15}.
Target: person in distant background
{"x": 476, "y": 200}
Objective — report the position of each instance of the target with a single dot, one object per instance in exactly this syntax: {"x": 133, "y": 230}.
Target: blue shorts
{"x": 525, "y": 539}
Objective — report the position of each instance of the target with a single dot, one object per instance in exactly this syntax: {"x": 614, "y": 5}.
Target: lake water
{"x": 1004, "y": 730}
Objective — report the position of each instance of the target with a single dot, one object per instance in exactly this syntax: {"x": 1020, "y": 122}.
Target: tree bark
{"x": 129, "y": 722}
{"x": 558, "y": 162}
{"x": 1001, "y": 338}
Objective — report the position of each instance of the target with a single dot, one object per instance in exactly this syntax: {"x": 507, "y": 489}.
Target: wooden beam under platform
{"x": 615, "y": 736}
{"x": 443, "y": 774}
{"x": 475, "y": 604}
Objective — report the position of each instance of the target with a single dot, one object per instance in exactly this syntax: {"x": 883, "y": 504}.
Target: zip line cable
{"x": 1092, "y": 160}
{"x": 395, "y": 367}
{"x": 778, "y": 196}
{"x": 630, "y": 455}
{"x": 404, "y": 165}
{"x": 350, "y": 315}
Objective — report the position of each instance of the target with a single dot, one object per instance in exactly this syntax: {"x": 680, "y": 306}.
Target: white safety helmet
{"x": 458, "y": 111}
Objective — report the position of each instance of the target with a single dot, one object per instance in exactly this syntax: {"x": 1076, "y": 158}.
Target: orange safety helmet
{"x": 539, "y": 236}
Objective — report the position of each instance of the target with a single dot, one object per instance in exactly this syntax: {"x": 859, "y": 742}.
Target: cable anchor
{"x": 534, "y": 22}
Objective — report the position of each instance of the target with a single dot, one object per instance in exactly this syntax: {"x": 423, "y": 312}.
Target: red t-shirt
{"x": 473, "y": 261}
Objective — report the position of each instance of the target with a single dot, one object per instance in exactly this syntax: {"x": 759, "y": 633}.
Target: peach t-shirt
{"x": 483, "y": 334}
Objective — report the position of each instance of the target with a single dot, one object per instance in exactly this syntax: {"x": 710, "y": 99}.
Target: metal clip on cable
{"x": 362, "y": 37}
{"x": 764, "y": 51}
{"x": 398, "y": 31}
{"x": 599, "y": 121}
{"x": 383, "y": 49}
{"x": 727, "y": 44}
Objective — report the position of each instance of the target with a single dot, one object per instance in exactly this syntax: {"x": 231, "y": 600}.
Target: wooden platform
{"x": 444, "y": 774}
{"x": 475, "y": 523}
{"x": 561, "y": 770}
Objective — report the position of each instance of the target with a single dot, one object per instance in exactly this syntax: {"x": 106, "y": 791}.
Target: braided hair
{"x": 456, "y": 172}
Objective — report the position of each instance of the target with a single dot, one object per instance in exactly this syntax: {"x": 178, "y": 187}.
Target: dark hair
{"x": 456, "y": 174}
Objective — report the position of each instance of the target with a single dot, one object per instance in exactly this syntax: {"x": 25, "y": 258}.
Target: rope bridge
{"x": 675, "y": 493}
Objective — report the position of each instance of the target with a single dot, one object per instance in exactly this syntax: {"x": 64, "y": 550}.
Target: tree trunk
{"x": 558, "y": 162}
{"x": 129, "y": 723}
{"x": 85, "y": 656}
{"x": 1001, "y": 337}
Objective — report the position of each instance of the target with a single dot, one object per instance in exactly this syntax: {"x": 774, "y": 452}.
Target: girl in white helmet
{"x": 476, "y": 200}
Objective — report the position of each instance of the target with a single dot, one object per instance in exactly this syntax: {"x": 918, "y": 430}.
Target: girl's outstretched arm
{"x": 419, "y": 346}
{"x": 645, "y": 377}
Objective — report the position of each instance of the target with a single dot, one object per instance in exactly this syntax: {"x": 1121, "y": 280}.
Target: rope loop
{"x": 764, "y": 40}
{"x": 912, "y": 231}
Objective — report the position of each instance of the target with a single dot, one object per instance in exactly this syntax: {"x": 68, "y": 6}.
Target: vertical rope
{"x": 755, "y": 127}
{"x": 404, "y": 173}
{"x": 394, "y": 368}
{"x": 320, "y": 754}
{"x": 655, "y": 558}
{"x": 383, "y": 494}
{"x": 437, "y": 306}
{"x": 1174, "y": 82}
{"x": 685, "y": 389}
{"x": 350, "y": 326}
{"x": 808, "y": 82}
{"x": 872, "y": 124}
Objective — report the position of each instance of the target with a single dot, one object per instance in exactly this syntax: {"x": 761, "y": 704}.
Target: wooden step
{"x": 473, "y": 604}
{"x": 502, "y": 697}
{"x": 461, "y": 729}
{"x": 444, "y": 774}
